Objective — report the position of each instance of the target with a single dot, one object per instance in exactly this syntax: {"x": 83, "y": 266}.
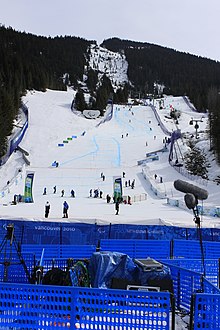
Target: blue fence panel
{"x": 206, "y": 311}
{"x": 137, "y": 248}
{"x": 59, "y": 251}
{"x": 212, "y": 249}
{"x": 209, "y": 287}
{"x": 185, "y": 284}
{"x": 50, "y": 251}
{"x": 35, "y": 307}
{"x": 49, "y": 263}
{"x": 186, "y": 249}
{"x": 77, "y": 251}
{"x": 84, "y": 233}
{"x": 51, "y": 307}
{"x": 78, "y": 233}
{"x": 211, "y": 267}
{"x": 118, "y": 245}
{"x": 121, "y": 309}
{"x": 127, "y": 232}
{"x": 152, "y": 248}
{"x": 12, "y": 269}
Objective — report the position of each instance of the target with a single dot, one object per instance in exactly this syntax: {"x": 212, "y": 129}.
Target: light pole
{"x": 196, "y": 125}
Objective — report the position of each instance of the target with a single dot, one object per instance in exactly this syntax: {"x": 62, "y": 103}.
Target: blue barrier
{"x": 60, "y": 144}
{"x": 74, "y": 137}
{"x": 209, "y": 287}
{"x": 185, "y": 284}
{"x": 137, "y": 248}
{"x": 212, "y": 249}
{"x": 49, "y": 263}
{"x": 12, "y": 270}
{"x": 51, "y": 307}
{"x": 206, "y": 311}
{"x": 17, "y": 138}
{"x": 44, "y": 232}
{"x": 59, "y": 251}
{"x": 211, "y": 267}
{"x": 186, "y": 249}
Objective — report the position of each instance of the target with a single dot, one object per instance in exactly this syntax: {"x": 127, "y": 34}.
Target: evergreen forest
{"x": 35, "y": 62}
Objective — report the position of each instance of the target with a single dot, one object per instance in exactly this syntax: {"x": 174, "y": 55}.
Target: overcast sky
{"x": 191, "y": 26}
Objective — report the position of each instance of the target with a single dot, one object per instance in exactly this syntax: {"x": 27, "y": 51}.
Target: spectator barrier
{"x": 44, "y": 232}
{"x": 137, "y": 248}
{"x": 211, "y": 267}
{"x": 186, "y": 283}
{"x": 59, "y": 251}
{"x": 12, "y": 269}
{"x": 35, "y": 307}
{"x": 162, "y": 248}
{"x": 205, "y": 311}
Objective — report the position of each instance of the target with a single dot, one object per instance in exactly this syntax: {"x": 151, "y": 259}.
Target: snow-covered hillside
{"x": 113, "y": 65}
{"x": 112, "y": 148}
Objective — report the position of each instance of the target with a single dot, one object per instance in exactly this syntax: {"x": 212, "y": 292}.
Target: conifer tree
{"x": 197, "y": 163}
{"x": 80, "y": 103}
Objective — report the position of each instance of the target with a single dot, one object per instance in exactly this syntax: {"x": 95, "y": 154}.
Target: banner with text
{"x": 117, "y": 188}
{"x": 28, "y": 197}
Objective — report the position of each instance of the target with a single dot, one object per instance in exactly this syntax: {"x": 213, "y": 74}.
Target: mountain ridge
{"x": 34, "y": 62}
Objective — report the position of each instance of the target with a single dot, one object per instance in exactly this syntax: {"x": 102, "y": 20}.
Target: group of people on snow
{"x": 72, "y": 192}
{"x": 65, "y": 209}
{"x": 96, "y": 193}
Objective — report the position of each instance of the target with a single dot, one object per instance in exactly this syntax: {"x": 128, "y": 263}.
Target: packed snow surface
{"x": 111, "y": 148}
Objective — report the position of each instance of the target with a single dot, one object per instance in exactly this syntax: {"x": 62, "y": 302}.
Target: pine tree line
{"x": 34, "y": 62}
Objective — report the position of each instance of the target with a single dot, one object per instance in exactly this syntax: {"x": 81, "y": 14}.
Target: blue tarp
{"x": 106, "y": 266}
{"x": 107, "y": 269}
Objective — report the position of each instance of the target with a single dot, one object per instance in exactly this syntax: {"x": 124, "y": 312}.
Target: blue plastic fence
{"x": 212, "y": 249}
{"x": 48, "y": 307}
{"x": 59, "y": 251}
{"x": 187, "y": 249}
{"x": 185, "y": 284}
{"x": 48, "y": 264}
{"x": 45, "y": 232}
{"x": 206, "y": 311}
{"x": 192, "y": 249}
{"x": 12, "y": 270}
{"x": 211, "y": 267}
{"x": 209, "y": 287}
{"x": 137, "y": 248}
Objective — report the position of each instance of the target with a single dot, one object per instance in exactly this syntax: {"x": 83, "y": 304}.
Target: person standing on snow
{"x": 47, "y": 209}
{"x": 65, "y": 210}
{"x": 117, "y": 206}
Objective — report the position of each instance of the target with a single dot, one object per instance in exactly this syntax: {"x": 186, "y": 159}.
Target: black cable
{"x": 199, "y": 231}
